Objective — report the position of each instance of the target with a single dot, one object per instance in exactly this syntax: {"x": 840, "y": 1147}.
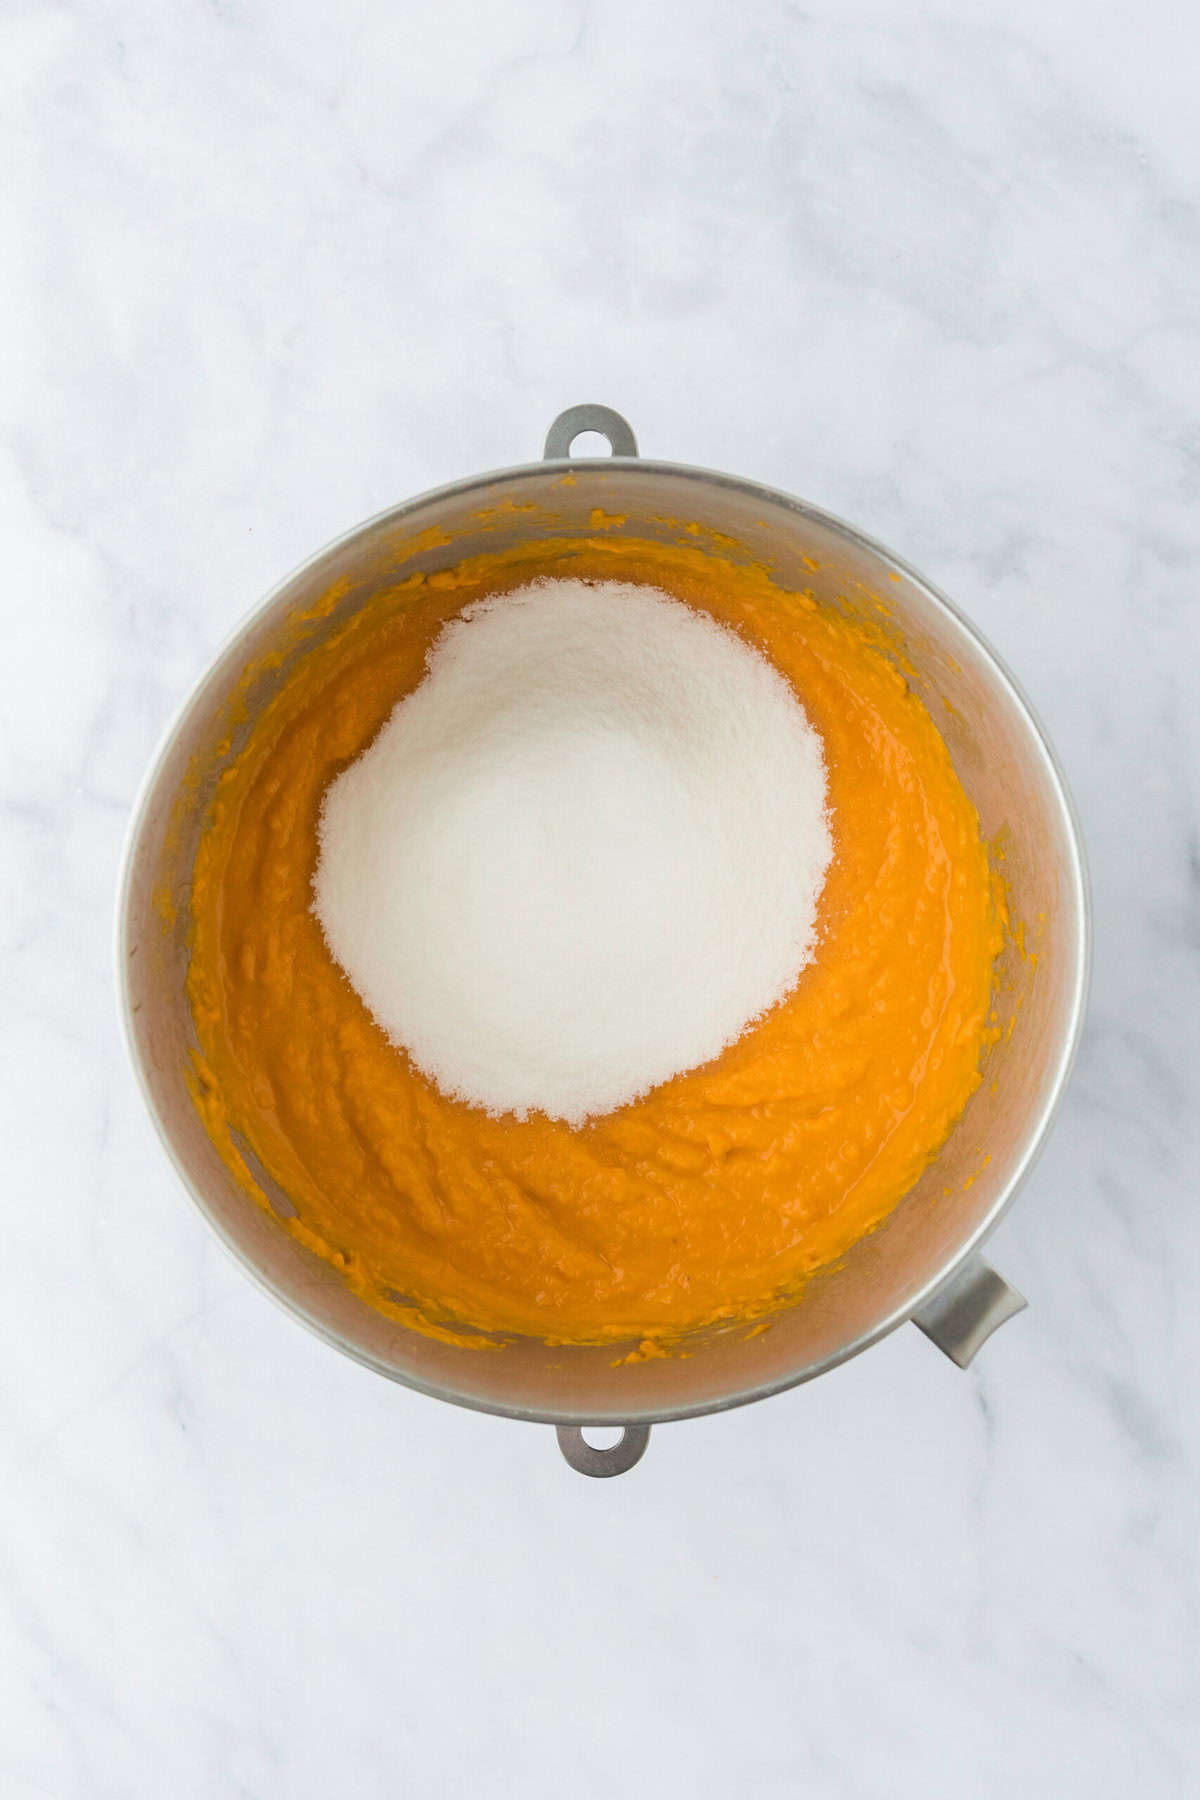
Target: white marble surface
{"x": 266, "y": 268}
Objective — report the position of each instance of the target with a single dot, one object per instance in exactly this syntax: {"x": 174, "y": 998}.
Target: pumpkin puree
{"x": 716, "y": 1195}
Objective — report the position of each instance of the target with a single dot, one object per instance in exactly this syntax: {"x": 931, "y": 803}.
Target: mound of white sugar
{"x": 582, "y": 855}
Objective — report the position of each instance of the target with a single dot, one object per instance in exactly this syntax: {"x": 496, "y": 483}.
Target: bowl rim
{"x": 1079, "y": 896}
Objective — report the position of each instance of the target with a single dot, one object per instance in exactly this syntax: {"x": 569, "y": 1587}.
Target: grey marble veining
{"x": 267, "y": 268}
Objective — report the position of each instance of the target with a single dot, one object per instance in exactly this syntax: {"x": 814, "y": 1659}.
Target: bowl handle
{"x": 629, "y": 1448}
{"x": 568, "y": 426}
{"x": 963, "y": 1314}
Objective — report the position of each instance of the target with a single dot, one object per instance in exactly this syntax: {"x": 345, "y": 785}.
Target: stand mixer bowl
{"x": 923, "y": 1262}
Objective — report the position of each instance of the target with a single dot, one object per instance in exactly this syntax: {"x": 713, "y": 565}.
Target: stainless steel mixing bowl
{"x": 923, "y": 1263}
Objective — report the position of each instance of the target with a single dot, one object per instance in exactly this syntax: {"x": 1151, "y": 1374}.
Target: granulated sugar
{"x": 583, "y": 855}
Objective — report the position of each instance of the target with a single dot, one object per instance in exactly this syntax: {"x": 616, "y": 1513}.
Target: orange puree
{"x": 718, "y": 1193}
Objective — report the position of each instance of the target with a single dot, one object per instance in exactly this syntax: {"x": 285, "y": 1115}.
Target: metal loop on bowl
{"x": 577, "y": 419}
{"x": 629, "y": 1448}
